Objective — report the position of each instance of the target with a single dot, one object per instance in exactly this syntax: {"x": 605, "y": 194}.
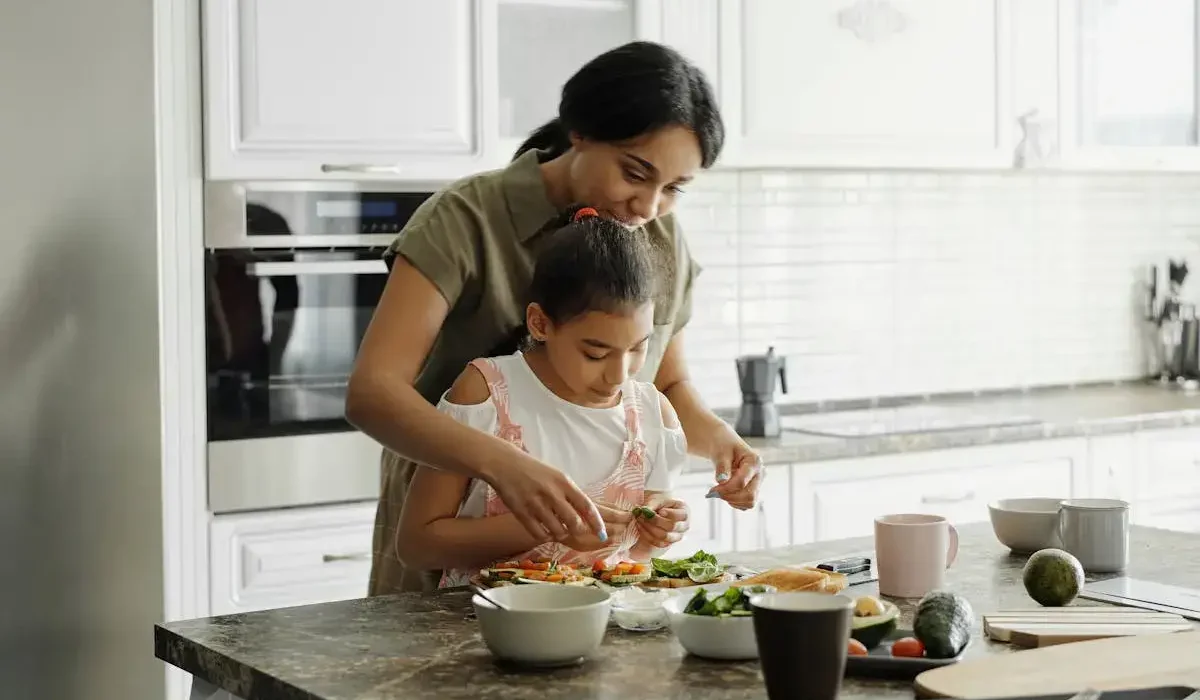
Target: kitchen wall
{"x": 883, "y": 283}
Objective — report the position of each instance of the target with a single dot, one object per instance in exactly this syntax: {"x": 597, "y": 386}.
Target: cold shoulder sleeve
{"x": 481, "y": 416}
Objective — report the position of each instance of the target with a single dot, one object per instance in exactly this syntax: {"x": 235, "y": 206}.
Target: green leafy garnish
{"x": 734, "y": 602}
{"x": 700, "y": 567}
{"x": 643, "y": 512}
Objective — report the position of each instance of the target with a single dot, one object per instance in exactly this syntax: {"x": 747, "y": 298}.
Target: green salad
{"x": 701, "y": 567}
{"x": 733, "y": 602}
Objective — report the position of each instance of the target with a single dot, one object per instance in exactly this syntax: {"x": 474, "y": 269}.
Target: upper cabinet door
{"x": 871, "y": 83}
{"x": 539, "y": 45}
{"x": 354, "y": 88}
{"x": 1130, "y": 73}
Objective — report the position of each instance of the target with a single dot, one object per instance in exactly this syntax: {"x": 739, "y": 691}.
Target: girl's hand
{"x": 667, "y": 527}
{"x": 739, "y": 470}
{"x": 616, "y": 522}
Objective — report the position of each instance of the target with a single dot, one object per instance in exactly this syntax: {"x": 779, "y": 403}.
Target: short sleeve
{"x": 687, "y": 266}
{"x": 481, "y": 416}
{"x": 669, "y": 448}
{"x": 441, "y": 241}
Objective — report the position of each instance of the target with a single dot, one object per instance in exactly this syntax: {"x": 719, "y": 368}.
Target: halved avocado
{"x": 873, "y": 629}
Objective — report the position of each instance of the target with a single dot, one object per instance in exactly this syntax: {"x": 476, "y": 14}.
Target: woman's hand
{"x": 547, "y": 502}
{"x": 616, "y": 522}
{"x": 739, "y": 470}
{"x": 667, "y": 527}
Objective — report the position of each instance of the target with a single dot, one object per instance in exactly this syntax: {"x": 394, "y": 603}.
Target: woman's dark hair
{"x": 632, "y": 90}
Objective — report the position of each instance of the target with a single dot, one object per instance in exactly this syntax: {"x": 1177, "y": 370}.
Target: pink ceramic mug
{"x": 912, "y": 553}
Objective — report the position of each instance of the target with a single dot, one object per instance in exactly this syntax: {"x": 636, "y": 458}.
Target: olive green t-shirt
{"x": 476, "y": 240}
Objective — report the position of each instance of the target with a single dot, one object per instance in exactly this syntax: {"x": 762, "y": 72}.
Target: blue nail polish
{"x": 722, "y": 477}
{"x": 712, "y": 494}
{"x": 603, "y": 536}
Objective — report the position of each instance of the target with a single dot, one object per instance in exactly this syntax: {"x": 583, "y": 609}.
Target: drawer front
{"x": 291, "y": 558}
{"x": 1169, "y": 465}
{"x": 849, "y": 508}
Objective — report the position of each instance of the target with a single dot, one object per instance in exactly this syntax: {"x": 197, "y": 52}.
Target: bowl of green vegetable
{"x": 714, "y": 621}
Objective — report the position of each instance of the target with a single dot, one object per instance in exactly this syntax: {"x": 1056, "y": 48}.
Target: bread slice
{"x": 683, "y": 582}
{"x": 797, "y": 578}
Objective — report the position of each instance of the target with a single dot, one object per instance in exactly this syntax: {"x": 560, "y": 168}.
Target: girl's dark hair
{"x": 629, "y": 91}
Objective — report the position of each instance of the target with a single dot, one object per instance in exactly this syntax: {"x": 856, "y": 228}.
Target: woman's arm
{"x": 701, "y": 426}
{"x": 431, "y": 536}
{"x": 382, "y": 402}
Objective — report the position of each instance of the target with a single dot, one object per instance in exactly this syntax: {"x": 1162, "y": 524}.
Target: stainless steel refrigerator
{"x": 81, "y": 527}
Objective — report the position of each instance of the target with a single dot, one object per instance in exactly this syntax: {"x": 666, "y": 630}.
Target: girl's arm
{"x": 382, "y": 402}
{"x": 431, "y": 536}
{"x": 666, "y": 463}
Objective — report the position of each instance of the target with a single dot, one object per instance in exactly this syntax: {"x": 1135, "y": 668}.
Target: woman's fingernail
{"x": 603, "y": 536}
{"x": 712, "y": 494}
{"x": 722, "y": 477}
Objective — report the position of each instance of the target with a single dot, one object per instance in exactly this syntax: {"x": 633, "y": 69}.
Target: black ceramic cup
{"x": 802, "y": 641}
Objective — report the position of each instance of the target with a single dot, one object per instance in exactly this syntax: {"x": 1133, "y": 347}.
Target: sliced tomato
{"x": 637, "y": 568}
{"x": 555, "y": 578}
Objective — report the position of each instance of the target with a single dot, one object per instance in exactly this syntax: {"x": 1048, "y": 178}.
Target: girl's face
{"x": 634, "y": 181}
{"x": 594, "y": 353}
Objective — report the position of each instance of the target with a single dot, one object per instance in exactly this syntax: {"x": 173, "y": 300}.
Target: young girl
{"x": 567, "y": 399}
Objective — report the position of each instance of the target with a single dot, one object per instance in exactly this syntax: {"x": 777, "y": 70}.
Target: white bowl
{"x": 725, "y": 638}
{"x": 1026, "y": 525}
{"x": 545, "y": 625}
{"x": 638, "y": 609}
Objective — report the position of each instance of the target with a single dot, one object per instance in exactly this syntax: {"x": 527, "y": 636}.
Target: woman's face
{"x": 593, "y": 354}
{"x": 634, "y": 181}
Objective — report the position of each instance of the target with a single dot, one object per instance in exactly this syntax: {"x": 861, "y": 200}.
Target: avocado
{"x": 943, "y": 624}
{"x": 1052, "y": 577}
{"x": 871, "y": 629}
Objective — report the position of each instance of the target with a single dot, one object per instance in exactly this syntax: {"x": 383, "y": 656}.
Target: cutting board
{"x": 1041, "y": 627}
{"x": 1119, "y": 663}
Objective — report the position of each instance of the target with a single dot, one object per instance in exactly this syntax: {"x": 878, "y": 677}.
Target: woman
{"x": 635, "y": 125}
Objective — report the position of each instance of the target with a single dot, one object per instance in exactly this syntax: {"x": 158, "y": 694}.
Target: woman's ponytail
{"x": 551, "y": 137}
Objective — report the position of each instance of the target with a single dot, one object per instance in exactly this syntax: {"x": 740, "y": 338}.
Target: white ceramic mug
{"x": 912, "y": 553}
{"x": 1096, "y": 532}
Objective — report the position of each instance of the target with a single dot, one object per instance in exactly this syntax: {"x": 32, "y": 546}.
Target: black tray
{"x": 1163, "y": 692}
{"x": 879, "y": 662}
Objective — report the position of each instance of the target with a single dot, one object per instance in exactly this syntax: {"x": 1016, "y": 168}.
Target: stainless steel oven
{"x": 293, "y": 275}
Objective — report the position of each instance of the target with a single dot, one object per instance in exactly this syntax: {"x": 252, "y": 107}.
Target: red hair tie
{"x": 584, "y": 213}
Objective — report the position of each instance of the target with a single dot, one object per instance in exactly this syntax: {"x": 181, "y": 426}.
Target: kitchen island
{"x": 426, "y": 645}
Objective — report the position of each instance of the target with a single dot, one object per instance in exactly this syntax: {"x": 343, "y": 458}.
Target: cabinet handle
{"x": 363, "y": 168}
{"x": 329, "y": 558}
{"x": 968, "y": 496}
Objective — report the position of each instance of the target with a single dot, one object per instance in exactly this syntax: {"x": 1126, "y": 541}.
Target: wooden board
{"x": 1119, "y": 663}
{"x": 1042, "y": 627}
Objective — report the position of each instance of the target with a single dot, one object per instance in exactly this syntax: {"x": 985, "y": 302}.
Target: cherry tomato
{"x": 857, "y": 648}
{"x": 908, "y": 646}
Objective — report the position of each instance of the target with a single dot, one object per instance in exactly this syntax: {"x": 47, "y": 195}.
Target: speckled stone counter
{"x": 423, "y": 646}
{"x": 1063, "y": 412}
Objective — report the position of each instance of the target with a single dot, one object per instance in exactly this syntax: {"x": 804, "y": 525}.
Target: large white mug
{"x": 912, "y": 553}
{"x": 1096, "y": 532}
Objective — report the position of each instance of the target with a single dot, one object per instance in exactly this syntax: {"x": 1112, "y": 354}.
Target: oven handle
{"x": 331, "y": 267}
{"x": 361, "y": 168}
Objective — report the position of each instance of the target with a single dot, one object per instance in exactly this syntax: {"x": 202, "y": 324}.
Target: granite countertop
{"x": 425, "y": 646}
{"x": 1061, "y": 412}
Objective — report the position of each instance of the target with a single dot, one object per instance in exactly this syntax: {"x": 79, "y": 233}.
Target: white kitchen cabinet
{"x": 878, "y": 83}
{"x": 770, "y": 524}
{"x": 356, "y": 89}
{"x": 711, "y": 527}
{"x": 842, "y": 498}
{"x": 290, "y": 557}
{"x": 1129, "y": 72}
{"x": 1165, "y": 488}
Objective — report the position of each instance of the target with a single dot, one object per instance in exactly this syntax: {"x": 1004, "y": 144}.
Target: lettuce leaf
{"x": 699, "y": 566}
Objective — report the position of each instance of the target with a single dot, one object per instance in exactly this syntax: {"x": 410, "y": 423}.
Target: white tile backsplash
{"x": 883, "y": 283}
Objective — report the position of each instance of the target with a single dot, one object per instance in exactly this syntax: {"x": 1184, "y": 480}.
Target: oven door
{"x": 283, "y": 330}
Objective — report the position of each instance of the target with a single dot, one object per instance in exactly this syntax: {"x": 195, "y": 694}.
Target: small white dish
{"x": 724, "y": 638}
{"x": 544, "y": 626}
{"x": 639, "y": 609}
{"x": 1026, "y": 525}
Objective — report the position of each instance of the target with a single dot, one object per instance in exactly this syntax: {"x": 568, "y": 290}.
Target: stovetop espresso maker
{"x": 758, "y": 416}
